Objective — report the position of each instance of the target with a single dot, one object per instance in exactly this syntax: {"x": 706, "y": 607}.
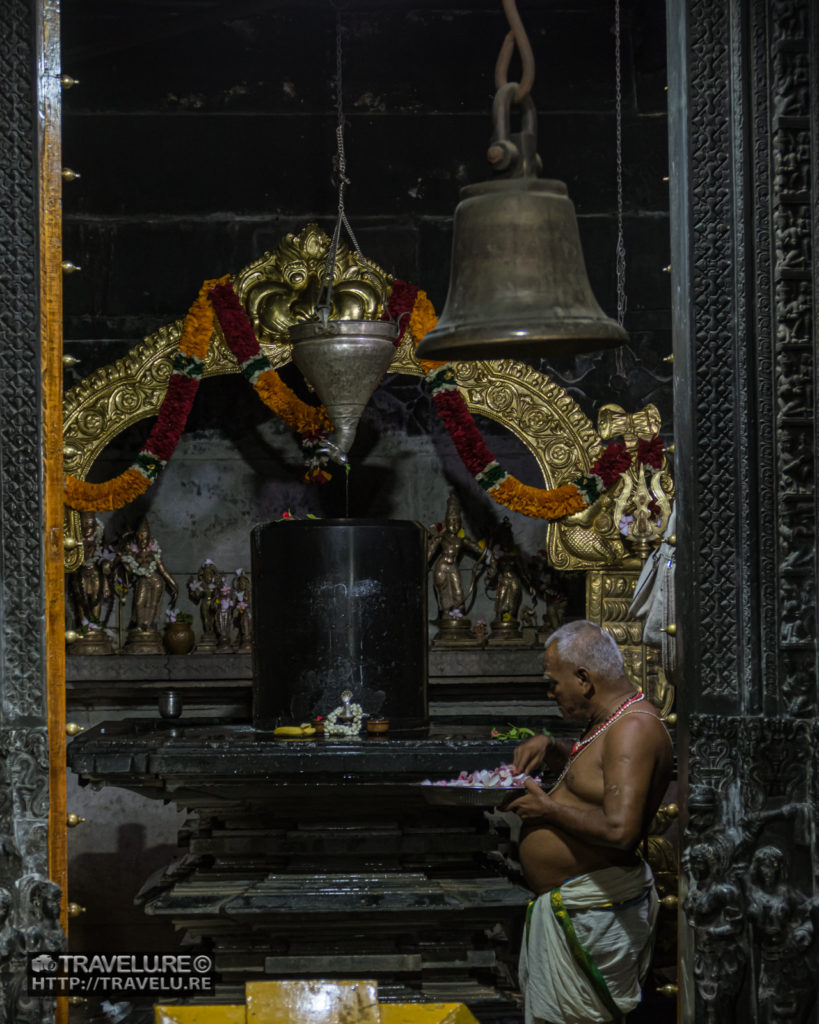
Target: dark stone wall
{"x": 205, "y": 132}
{"x": 744, "y": 96}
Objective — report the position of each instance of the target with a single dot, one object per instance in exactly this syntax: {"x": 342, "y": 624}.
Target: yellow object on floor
{"x": 199, "y": 1015}
{"x": 312, "y": 1002}
{"x": 315, "y": 1002}
{"x": 425, "y": 1013}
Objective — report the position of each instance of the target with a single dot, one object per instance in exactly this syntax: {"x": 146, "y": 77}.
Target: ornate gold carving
{"x": 592, "y": 537}
{"x": 537, "y": 411}
{"x": 279, "y": 290}
{"x": 116, "y": 396}
{"x": 588, "y": 538}
{"x": 613, "y": 420}
{"x": 540, "y": 413}
{"x": 282, "y": 288}
{"x": 645, "y": 530}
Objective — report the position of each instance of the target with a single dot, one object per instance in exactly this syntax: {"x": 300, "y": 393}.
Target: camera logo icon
{"x": 44, "y": 962}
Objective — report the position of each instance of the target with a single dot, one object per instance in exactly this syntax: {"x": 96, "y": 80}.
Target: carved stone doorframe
{"x": 743, "y": 114}
{"x": 744, "y": 108}
{"x": 32, "y": 666}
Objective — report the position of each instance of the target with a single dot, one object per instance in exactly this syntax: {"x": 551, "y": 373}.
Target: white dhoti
{"x": 587, "y": 946}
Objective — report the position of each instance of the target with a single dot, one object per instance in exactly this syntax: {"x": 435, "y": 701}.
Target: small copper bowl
{"x": 318, "y": 725}
{"x": 377, "y": 725}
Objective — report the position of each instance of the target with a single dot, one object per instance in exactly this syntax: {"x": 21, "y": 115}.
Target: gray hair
{"x": 585, "y": 643}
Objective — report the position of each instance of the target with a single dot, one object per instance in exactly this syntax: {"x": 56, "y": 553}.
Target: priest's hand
{"x": 531, "y": 753}
{"x": 533, "y": 805}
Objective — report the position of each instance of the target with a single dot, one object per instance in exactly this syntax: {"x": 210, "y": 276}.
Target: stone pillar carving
{"x": 29, "y": 903}
{"x": 743, "y": 99}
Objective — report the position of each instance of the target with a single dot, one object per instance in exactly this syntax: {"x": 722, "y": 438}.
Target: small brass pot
{"x": 178, "y": 638}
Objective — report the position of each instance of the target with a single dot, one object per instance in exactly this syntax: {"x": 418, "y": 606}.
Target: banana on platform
{"x": 295, "y": 732}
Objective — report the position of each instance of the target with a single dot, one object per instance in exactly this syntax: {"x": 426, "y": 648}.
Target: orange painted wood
{"x": 51, "y": 335}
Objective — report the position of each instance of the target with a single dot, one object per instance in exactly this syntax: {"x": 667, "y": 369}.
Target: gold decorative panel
{"x": 280, "y": 289}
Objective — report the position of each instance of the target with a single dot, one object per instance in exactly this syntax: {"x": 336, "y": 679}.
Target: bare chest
{"x": 583, "y": 780}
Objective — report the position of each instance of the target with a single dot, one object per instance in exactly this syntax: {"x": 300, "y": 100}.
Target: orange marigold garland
{"x": 188, "y": 364}
{"x": 407, "y": 305}
{"x": 535, "y": 502}
{"x": 311, "y": 421}
{"x": 255, "y": 366}
{"x": 411, "y": 308}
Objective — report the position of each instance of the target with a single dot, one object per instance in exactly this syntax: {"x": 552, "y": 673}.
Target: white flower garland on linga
{"x": 332, "y": 727}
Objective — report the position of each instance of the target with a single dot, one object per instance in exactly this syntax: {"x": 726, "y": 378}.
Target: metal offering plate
{"x": 470, "y": 796}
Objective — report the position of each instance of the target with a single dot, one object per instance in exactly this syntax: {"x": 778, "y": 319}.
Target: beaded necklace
{"x": 581, "y": 745}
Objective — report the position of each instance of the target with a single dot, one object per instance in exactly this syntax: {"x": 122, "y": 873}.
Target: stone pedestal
{"x": 310, "y": 858}
{"x": 143, "y": 641}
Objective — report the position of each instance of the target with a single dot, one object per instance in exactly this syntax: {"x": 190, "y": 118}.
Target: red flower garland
{"x": 650, "y": 452}
{"x": 463, "y": 431}
{"x": 406, "y": 303}
{"x": 400, "y": 305}
{"x": 235, "y": 325}
{"x": 168, "y": 428}
{"x": 614, "y": 461}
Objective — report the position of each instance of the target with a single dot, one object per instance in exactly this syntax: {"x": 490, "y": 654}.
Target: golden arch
{"x": 541, "y": 414}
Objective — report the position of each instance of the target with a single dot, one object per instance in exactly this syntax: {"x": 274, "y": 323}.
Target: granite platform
{"x": 324, "y": 858}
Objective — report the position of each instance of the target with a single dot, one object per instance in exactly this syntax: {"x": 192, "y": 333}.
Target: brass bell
{"x": 518, "y": 286}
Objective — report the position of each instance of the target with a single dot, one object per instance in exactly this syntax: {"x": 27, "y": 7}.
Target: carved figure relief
{"x": 777, "y": 752}
{"x": 782, "y": 928}
{"x": 798, "y": 682}
{"x": 730, "y": 883}
{"x": 27, "y": 766}
{"x": 714, "y": 910}
{"x": 794, "y": 176}
{"x": 749, "y": 817}
{"x": 39, "y": 903}
{"x": 793, "y": 238}
{"x": 794, "y": 303}
{"x": 11, "y": 948}
{"x": 792, "y": 82}
{"x": 796, "y": 460}
{"x": 797, "y": 534}
{"x": 792, "y": 161}
{"x": 797, "y": 610}
{"x": 29, "y": 923}
{"x": 791, "y": 17}
{"x": 794, "y": 379}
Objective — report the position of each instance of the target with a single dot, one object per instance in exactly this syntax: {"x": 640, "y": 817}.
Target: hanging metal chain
{"x": 324, "y": 304}
{"x": 620, "y": 252}
{"x": 516, "y": 37}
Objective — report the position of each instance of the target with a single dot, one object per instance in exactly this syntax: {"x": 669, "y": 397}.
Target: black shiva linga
{"x": 341, "y": 606}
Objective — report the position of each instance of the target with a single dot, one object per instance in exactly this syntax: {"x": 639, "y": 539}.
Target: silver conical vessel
{"x": 344, "y": 361}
